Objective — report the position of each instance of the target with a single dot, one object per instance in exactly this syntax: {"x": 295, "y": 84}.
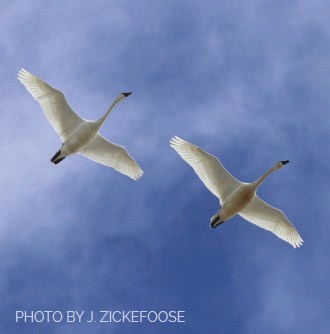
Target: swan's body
{"x": 236, "y": 197}
{"x": 79, "y": 135}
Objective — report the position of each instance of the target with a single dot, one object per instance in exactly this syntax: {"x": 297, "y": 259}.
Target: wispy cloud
{"x": 247, "y": 83}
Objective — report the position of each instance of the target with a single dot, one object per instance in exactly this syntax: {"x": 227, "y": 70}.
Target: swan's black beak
{"x": 127, "y": 94}
{"x": 284, "y": 162}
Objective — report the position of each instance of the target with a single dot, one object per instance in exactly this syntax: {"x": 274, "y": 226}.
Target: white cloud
{"x": 249, "y": 84}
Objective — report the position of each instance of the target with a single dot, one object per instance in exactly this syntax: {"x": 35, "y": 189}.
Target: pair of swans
{"x": 83, "y": 137}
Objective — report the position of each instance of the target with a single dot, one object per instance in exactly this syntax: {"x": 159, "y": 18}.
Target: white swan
{"x": 236, "y": 197}
{"x": 79, "y": 135}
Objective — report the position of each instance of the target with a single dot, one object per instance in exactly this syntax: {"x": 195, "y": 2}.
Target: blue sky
{"x": 248, "y": 82}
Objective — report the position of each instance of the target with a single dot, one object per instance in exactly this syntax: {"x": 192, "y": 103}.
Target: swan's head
{"x": 280, "y": 164}
{"x": 122, "y": 96}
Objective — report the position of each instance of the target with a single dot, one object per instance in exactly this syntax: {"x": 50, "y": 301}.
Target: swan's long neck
{"x": 258, "y": 182}
{"x": 104, "y": 117}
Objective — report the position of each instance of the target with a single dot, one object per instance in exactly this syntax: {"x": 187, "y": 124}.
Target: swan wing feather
{"x": 269, "y": 218}
{"x": 52, "y": 101}
{"x": 109, "y": 154}
{"x": 208, "y": 168}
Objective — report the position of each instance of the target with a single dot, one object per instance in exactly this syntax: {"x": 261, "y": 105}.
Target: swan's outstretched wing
{"x": 265, "y": 216}
{"x": 112, "y": 155}
{"x": 52, "y": 101}
{"x": 208, "y": 168}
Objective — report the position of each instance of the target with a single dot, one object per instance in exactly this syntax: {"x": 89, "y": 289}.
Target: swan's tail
{"x": 56, "y": 158}
{"x": 216, "y": 221}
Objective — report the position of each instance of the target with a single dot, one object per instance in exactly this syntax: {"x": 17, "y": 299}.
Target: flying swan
{"x": 79, "y": 135}
{"x": 236, "y": 197}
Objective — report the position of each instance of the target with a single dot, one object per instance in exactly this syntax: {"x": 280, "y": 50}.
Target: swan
{"x": 237, "y": 197}
{"x": 79, "y": 135}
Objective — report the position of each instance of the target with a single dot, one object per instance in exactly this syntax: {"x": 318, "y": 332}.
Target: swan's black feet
{"x": 58, "y": 160}
{"x": 53, "y": 159}
{"x": 215, "y": 221}
{"x": 216, "y": 224}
